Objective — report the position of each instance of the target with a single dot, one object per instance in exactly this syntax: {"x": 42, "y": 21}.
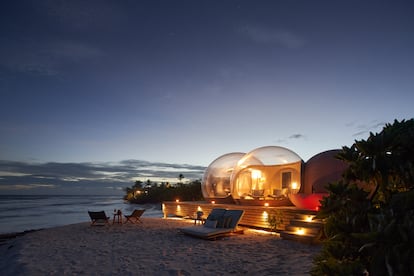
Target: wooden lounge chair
{"x": 98, "y": 218}
{"x": 135, "y": 216}
{"x": 219, "y": 223}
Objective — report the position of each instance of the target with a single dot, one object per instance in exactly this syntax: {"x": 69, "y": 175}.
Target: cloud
{"x": 296, "y": 136}
{"x": 279, "y": 37}
{"x": 366, "y": 128}
{"x": 285, "y": 141}
{"x": 67, "y": 177}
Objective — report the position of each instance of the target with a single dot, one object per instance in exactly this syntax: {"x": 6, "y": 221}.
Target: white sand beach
{"x": 154, "y": 247}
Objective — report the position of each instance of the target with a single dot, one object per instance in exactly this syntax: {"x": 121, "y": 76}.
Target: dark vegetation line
{"x": 152, "y": 192}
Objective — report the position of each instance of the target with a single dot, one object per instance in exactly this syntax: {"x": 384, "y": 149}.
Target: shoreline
{"x": 153, "y": 247}
{"x": 7, "y": 236}
{"x": 32, "y": 212}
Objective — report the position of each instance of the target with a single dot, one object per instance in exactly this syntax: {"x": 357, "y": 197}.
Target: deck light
{"x": 300, "y": 231}
{"x": 309, "y": 218}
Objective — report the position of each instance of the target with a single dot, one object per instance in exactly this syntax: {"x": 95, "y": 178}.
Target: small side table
{"x": 117, "y": 217}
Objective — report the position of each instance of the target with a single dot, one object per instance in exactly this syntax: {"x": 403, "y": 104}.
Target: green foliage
{"x": 372, "y": 231}
{"x": 345, "y": 214}
{"x": 275, "y": 219}
{"x": 154, "y": 193}
{"x": 385, "y": 160}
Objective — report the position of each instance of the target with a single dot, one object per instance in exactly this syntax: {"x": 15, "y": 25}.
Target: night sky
{"x": 109, "y": 85}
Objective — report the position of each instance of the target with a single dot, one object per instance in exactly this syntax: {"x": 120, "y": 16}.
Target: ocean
{"x": 20, "y": 213}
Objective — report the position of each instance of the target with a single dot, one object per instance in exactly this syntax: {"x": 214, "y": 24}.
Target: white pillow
{"x": 210, "y": 223}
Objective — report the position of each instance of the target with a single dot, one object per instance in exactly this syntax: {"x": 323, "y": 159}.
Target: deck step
{"x": 305, "y": 223}
{"x": 293, "y": 236}
{"x": 303, "y": 228}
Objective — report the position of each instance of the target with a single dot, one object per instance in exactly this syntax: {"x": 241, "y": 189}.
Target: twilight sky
{"x": 106, "y": 84}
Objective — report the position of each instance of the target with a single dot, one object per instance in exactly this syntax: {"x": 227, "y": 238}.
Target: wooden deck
{"x": 254, "y": 216}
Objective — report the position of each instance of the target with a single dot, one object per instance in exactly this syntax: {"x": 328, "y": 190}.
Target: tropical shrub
{"x": 369, "y": 214}
{"x": 274, "y": 219}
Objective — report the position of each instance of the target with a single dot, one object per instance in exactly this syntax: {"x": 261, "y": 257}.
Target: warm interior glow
{"x": 256, "y": 174}
{"x": 257, "y": 179}
{"x": 177, "y": 200}
{"x": 199, "y": 208}
{"x": 265, "y": 215}
{"x": 266, "y": 204}
{"x": 294, "y": 185}
{"x": 213, "y": 202}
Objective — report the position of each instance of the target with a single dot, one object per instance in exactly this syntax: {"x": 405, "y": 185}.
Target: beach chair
{"x": 98, "y": 218}
{"x": 219, "y": 223}
{"x": 135, "y": 216}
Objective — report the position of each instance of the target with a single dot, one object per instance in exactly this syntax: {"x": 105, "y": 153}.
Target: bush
{"x": 372, "y": 231}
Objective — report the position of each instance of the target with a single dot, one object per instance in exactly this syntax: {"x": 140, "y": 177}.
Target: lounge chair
{"x": 135, "y": 216}
{"x": 98, "y": 218}
{"x": 219, "y": 223}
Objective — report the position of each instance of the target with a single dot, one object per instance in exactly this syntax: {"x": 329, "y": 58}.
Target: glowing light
{"x": 199, "y": 208}
{"x": 256, "y": 174}
{"x": 266, "y": 204}
{"x": 309, "y": 218}
{"x": 265, "y": 215}
{"x": 294, "y": 185}
{"x": 213, "y": 202}
{"x": 258, "y": 231}
{"x": 300, "y": 231}
{"x": 177, "y": 200}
